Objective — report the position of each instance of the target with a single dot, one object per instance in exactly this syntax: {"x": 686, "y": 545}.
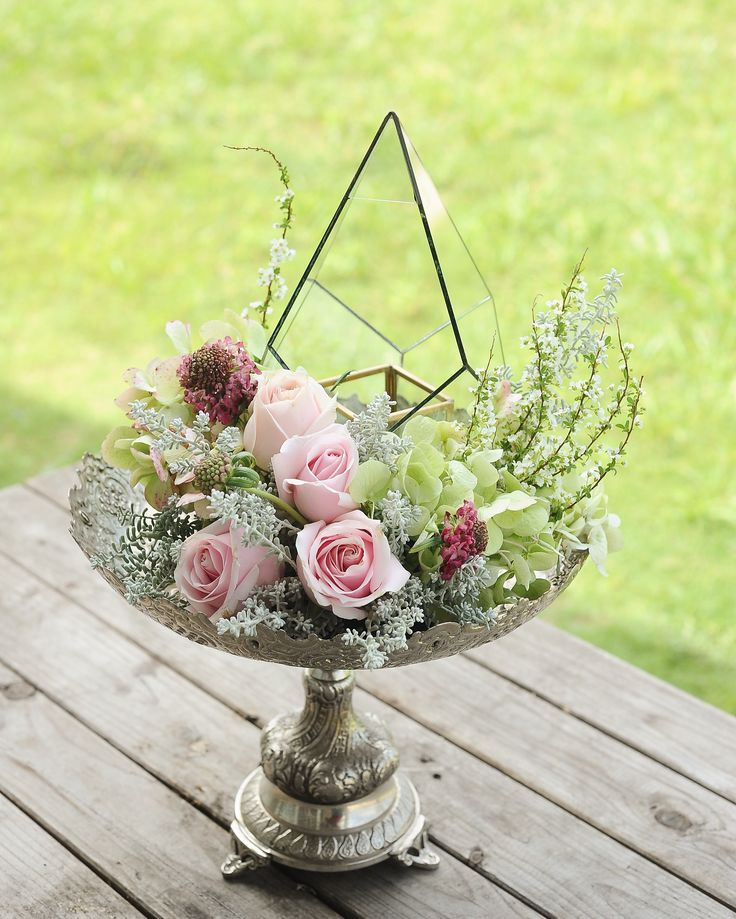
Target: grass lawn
{"x": 548, "y": 127}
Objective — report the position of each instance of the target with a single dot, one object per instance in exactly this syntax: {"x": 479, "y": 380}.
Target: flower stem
{"x": 281, "y": 505}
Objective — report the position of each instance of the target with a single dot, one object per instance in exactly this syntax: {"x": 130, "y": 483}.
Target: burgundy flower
{"x": 219, "y": 378}
{"x": 463, "y": 537}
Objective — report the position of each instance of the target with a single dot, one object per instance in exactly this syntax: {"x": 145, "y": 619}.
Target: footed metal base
{"x": 328, "y": 795}
{"x": 270, "y": 825}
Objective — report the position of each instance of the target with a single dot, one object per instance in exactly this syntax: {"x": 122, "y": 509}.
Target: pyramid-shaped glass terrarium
{"x": 391, "y": 300}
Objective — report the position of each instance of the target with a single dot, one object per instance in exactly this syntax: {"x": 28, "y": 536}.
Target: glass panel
{"x": 377, "y": 292}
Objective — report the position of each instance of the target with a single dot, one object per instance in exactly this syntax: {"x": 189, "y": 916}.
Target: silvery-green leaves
{"x": 391, "y": 620}
{"x": 256, "y": 517}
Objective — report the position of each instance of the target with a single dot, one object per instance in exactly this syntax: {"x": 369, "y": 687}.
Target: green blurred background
{"x": 548, "y": 127}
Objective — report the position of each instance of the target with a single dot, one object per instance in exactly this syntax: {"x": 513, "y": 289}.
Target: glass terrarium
{"x": 391, "y": 299}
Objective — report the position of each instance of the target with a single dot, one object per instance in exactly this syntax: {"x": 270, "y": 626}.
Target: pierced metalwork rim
{"x": 104, "y": 494}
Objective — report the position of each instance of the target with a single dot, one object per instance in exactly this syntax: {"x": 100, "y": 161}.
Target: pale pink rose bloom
{"x": 216, "y": 572}
{"x": 313, "y": 473}
{"x": 287, "y": 403}
{"x": 347, "y": 563}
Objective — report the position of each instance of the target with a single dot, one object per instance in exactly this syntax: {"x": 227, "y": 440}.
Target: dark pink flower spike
{"x": 463, "y": 537}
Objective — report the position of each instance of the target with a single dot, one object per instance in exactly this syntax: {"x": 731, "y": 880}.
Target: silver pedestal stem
{"x": 328, "y": 795}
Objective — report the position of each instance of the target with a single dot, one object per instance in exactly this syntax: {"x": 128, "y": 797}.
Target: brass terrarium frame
{"x": 437, "y": 404}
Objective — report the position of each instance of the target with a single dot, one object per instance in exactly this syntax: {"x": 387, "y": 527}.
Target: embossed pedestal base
{"x": 270, "y": 825}
{"x": 328, "y": 795}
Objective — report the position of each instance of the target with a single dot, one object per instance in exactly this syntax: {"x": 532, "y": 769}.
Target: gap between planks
{"x": 443, "y": 733}
{"x": 608, "y": 855}
{"x": 43, "y": 877}
{"x": 656, "y": 719}
{"x": 147, "y": 842}
{"x": 456, "y": 891}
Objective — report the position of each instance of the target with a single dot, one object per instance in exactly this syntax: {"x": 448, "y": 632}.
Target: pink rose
{"x": 313, "y": 473}
{"x": 347, "y": 563}
{"x": 287, "y": 403}
{"x": 216, "y": 572}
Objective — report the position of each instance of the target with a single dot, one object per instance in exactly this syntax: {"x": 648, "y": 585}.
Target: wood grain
{"x": 39, "y": 877}
{"x": 198, "y": 746}
{"x": 162, "y": 852}
{"x": 667, "y": 724}
{"x": 675, "y": 822}
{"x": 622, "y": 792}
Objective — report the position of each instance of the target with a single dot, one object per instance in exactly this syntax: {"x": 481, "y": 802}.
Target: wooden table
{"x": 559, "y": 781}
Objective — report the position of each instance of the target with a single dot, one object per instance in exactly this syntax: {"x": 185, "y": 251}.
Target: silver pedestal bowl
{"x": 328, "y": 794}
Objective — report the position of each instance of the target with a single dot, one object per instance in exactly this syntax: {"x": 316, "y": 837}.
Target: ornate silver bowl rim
{"x": 102, "y": 498}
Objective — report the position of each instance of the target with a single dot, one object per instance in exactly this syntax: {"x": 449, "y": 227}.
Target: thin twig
{"x": 481, "y": 387}
{"x": 576, "y": 415}
{"x": 587, "y": 490}
{"x": 285, "y": 223}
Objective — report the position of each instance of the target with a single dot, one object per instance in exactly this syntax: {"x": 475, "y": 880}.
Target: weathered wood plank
{"x": 178, "y": 732}
{"x": 675, "y": 822}
{"x": 667, "y": 724}
{"x": 162, "y": 852}
{"x": 39, "y": 877}
{"x": 196, "y": 744}
{"x": 191, "y": 740}
{"x": 641, "y": 803}
{"x": 55, "y": 485}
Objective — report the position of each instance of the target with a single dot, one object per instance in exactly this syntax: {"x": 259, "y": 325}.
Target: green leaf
{"x": 521, "y": 570}
{"x": 180, "y": 335}
{"x": 421, "y": 520}
{"x": 495, "y": 538}
{"x": 214, "y": 329}
{"x": 371, "y": 482}
{"x": 460, "y": 487}
{"x": 542, "y": 559}
{"x": 421, "y": 429}
{"x": 537, "y": 587}
{"x": 255, "y": 340}
{"x": 419, "y": 473}
{"x": 429, "y": 559}
{"x": 167, "y": 388}
{"x": 340, "y": 379}
{"x": 527, "y": 522}
{"x": 598, "y": 548}
{"x": 509, "y": 501}
{"x": 116, "y": 448}
{"x": 510, "y": 482}
{"x": 482, "y": 466}
{"x": 156, "y": 492}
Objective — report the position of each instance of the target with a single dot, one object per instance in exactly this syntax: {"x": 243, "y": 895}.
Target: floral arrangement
{"x": 265, "y": 509}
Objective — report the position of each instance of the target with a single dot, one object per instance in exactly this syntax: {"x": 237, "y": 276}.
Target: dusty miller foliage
{"x": 257, "y": 518}
{"x": 146, "y": 555}
{"x": 369, "y": 430}
{"x": 459, "y": 597}
{"x": 397, "y": 514}
{"x": 172, "y": 435}
{"x": 558, "y": 428}
{"x": 390, "y": 622}
{"x": 279, "y": 606}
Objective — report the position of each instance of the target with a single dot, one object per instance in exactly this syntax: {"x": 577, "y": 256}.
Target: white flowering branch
{"x": 271, "y": 277}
